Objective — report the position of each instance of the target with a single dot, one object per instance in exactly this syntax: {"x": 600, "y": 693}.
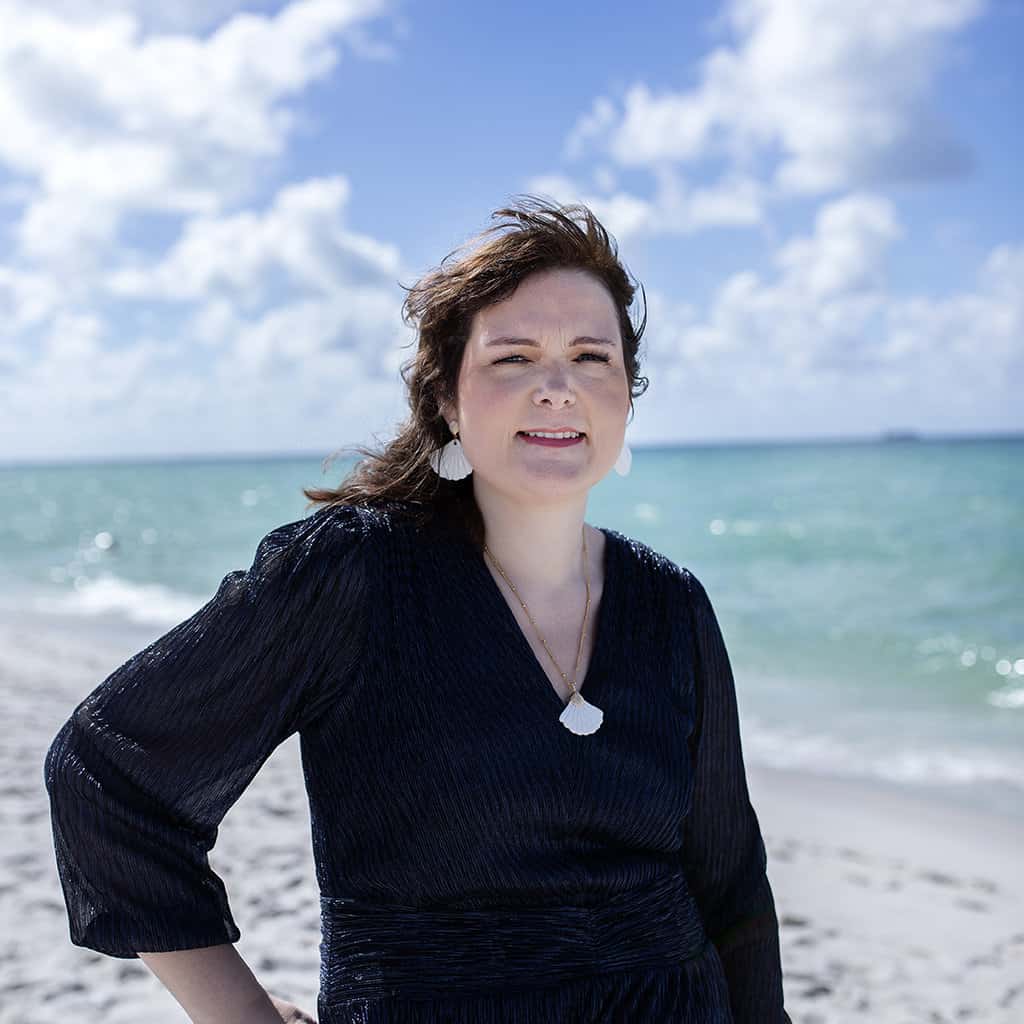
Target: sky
{"x": 209, "y": 209}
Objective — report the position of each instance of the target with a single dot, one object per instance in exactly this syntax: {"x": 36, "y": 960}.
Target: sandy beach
{"x": 894, "y": 907}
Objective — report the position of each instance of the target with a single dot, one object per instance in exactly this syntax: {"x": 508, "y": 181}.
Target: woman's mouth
{"x": 551, "y": 442}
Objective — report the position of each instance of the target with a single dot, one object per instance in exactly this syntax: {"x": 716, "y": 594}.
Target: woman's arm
{"x": 141, "y": 774}
{"x": 213, "y": 985}
{"x": 724, "y": 854}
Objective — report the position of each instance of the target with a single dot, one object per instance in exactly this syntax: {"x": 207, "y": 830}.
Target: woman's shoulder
{"x": 665, "y": 581}
{"x": 333, "y": 530}
{"x": 647, "y": 560}
{"x": 354, "y": 522}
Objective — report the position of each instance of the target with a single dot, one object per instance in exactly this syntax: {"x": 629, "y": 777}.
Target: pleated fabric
{"x": 689, "y": 992}
{"x": 476, "y": 861}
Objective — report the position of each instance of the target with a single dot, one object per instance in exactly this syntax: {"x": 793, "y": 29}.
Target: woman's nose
{"x": 555, "y": 382}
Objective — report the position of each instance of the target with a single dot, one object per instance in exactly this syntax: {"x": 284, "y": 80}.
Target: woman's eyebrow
{"x": 583, "y": 339}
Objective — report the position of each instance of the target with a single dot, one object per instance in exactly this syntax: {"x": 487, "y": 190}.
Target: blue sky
{"x": 207, "y": 212}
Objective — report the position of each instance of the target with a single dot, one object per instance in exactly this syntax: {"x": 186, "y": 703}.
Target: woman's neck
{"x": 540, "y": 550}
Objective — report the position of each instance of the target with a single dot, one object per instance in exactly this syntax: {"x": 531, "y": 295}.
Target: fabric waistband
{"x": 373, "y": 949}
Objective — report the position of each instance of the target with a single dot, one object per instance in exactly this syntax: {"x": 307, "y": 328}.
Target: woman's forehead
{"x": 550, "y": 307}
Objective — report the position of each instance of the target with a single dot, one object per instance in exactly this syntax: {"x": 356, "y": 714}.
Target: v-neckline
{"x": 600, "y": 640}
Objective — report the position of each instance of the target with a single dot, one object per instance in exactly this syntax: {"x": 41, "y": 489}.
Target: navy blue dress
{"x": 476, "y": 861}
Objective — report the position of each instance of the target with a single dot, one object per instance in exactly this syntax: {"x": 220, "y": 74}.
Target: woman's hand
{"x": 291, "y": 1014}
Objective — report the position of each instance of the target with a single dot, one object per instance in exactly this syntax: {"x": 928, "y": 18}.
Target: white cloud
{"x": 819, "y": 310}
{"x": 974, "y": 335}
{"x": 355, "y": 331}
{"x": 106, "y": 118}
{"x": 833, "y": 93}
{"x": 181, "y": 16}
{"x": 26, "y": 298}
{"x": 847, "y": 250}
{"x": 109, "y": 112}
{"x": 289, "y": 293}
{"x": 302, "y": 234}
{"x": 827, "y": 315}
{"x": 75, "y": 372}
{"x": 68, "y": 237}
{"x": 621, "y": 214}
{"x": 601, "y": 119}
{"x": 675, "y": 209}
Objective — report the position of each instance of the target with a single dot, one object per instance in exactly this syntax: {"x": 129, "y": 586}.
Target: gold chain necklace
{"x": 579, "y": 716}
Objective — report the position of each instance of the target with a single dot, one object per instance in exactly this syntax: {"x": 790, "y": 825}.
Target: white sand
{"x": 894, "y": 908}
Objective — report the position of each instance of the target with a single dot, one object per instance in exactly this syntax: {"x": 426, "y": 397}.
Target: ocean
{"x": 871, "y": 594}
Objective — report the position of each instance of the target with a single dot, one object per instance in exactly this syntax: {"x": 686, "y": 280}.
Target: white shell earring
{"x": 624, "y": 461}
{"x": 450, "y": 462}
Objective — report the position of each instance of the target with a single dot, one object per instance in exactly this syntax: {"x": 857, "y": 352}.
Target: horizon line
{"x": 895, "y": 436}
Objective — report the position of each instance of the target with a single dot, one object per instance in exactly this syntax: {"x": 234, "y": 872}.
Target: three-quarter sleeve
{"x": 141, "y": 774}
{"x": 723, "y": 851}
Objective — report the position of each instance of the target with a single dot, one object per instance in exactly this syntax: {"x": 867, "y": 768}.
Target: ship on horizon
{"x": 900, "y": 434}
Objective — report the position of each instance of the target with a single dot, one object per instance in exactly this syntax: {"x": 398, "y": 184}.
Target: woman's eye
{"x": 592, "y": 355}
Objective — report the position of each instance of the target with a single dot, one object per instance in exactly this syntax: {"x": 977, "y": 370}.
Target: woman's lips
{"x": 552, "y": 442}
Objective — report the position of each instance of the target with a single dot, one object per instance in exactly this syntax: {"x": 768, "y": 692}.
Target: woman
{"x": 519, "y": 732}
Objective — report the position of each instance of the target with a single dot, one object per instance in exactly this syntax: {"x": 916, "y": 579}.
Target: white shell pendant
{"x": 580, "y": 716}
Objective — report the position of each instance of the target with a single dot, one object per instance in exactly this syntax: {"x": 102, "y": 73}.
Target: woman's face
{"x": 558, "y": 374}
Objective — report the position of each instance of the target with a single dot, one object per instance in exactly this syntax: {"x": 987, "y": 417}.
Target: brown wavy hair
{"x": 535, "y": 234}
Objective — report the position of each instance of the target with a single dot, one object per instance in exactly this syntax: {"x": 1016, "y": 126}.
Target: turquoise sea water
{"x": 871, "y": 594}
